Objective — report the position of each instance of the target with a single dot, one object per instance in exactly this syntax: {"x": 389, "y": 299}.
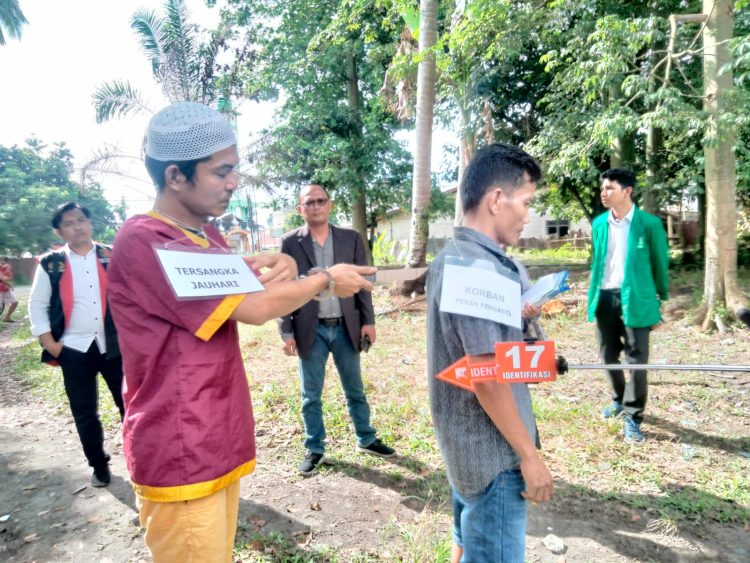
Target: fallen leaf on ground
{"x": 315, "y": 506}
{"x": 553, "y": 307}
{"x": 31, "y": 537}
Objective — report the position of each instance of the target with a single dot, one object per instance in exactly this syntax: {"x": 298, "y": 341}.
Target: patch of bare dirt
{"x": 50, "y": 513}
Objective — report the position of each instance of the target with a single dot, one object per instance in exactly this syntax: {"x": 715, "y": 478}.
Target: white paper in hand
{"x": 546, "y": 288}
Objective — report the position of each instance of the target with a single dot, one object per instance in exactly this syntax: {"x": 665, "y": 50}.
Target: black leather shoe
{"x": 101, "y": 477}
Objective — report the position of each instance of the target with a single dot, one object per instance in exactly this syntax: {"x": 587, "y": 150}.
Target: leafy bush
{"x": 564, "y": 253}
{"x": 386, "y": 252}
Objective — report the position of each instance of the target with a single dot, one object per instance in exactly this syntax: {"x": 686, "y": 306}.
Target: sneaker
{"x": 101, "y": 477}
{"x": 633, "y": 431}
{"x": 612, "y": 410}
{"x": 310, "y": 463}
{"x": 377, "y": 448}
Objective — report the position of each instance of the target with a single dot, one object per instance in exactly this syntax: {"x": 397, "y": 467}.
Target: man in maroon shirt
{"x": 188, "y": 426}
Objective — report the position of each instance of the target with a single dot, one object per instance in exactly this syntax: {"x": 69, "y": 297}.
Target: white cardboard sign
{"x": 203, "y": 274}
{"x": 478, "y": 292}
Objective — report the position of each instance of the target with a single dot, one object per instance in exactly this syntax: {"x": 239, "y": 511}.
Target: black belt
{"x": 330, "y": 322}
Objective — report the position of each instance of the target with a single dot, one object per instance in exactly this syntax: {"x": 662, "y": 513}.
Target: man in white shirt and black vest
{"x": 69, "y": 314}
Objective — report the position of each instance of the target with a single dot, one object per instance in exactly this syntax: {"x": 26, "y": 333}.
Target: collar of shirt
{"x": 315, "y": 241}
{"x": 467, "y": 233}
{"x": 68, "y": 252}
{"x": 612, "y": 220}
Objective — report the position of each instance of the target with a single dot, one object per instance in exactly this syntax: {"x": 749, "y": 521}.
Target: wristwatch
{"x": 326, "y": 293}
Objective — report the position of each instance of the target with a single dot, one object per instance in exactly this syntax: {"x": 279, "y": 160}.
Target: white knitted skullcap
{"x": 187, "y": 131}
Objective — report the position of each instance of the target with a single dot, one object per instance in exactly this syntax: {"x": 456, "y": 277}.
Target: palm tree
{"x": 182, "y": 67}
{"x": 11, "y": 20}
{"x": 421, "y": 189}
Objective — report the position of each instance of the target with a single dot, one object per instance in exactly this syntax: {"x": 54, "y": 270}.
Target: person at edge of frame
{"x": 7, "y": 297}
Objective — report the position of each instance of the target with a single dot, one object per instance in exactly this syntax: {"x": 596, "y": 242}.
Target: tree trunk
{"x": 700, "y": 235}
{"x": 720, "y": 288}
{"x": 467, "y": 148}
{"x": 654, "y": 148}
{"x": 422, "y": 186}
{"x": 654, "y": 142}
{"x": 623, "y": 146}
{"x": 623, "y": 151}
{"x": 358, "y": 192}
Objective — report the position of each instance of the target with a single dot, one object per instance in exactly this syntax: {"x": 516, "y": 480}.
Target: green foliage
{"x": 384, "y": 252}
{"x": 180, "y": 63}
{"x": 325, "y": 63}
{"x": 11, "y": 20}
{"x": 561, "y": 254}
{"x": 116, "y": 98}
{"x": 293, "y": 221}
{"x": 32, "y": 183}
{"x": 612, "y": 81}
{"x": 259, "y": 547}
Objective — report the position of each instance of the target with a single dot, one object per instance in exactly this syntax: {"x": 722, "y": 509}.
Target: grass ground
{"x": 692, "y": 471}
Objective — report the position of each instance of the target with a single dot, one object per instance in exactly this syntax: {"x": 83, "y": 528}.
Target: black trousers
{"x": 82, "y": 387}
{"x": 614, "y": 338}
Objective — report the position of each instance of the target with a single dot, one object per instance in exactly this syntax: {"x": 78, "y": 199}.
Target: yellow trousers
{"x": 200, "y": 530}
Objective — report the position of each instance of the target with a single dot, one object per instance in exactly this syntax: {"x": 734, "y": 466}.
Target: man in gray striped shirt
{"x": 488, "y": 437}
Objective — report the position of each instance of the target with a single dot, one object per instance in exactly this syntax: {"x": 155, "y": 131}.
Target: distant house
{"x": 540, "y": 232}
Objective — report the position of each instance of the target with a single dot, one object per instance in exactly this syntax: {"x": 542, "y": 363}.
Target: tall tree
{"x": 33, "y": 181}
{"x": 180, "y": 64}
{"x": 324, "y": 63}
{"x": 720, "y": 283}
{"x": 611, "y": 101}
{"x": 11, "y": 20}
{"x": 488, "y": 73}
{"x": 422, "y": 177}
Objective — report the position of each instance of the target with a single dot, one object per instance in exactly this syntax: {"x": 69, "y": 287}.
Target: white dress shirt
{"x": 86, "y": 322}
{"x": 617, "y": 249}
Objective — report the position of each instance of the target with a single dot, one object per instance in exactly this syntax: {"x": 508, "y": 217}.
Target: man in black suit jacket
{"x": 329, "y": 325}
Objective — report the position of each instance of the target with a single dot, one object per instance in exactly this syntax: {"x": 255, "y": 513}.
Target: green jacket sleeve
{"x": 660, "y": 258}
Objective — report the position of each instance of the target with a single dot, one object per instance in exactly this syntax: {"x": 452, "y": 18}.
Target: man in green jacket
{"x": 628, "y": 283}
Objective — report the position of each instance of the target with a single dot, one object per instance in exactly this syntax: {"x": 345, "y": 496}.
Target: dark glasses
{"x": 320, "y": 202}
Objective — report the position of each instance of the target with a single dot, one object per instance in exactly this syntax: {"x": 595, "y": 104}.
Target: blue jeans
{"x": 312, "y": 371}
{"x": 491, "y": 527}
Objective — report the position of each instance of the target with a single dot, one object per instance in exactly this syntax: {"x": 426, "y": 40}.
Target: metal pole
{"x": 675, "y": 367}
